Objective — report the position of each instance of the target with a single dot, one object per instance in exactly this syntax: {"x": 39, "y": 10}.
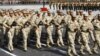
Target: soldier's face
{"x": 81, "y": 13}
{"x": 68, "y": 12}
{"x": 20, "y": 14}
{"x": 89, "y": 13}
{"x": 77, "y": 13}
{"x": 85, "y": 17}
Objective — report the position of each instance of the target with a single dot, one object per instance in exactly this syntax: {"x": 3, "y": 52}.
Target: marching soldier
{"x": 25, "y": 29}
{"x": 8, "y": 23}
{"x": 86, "y": 26}
{"x": 59, "y": 26}
{"x": 73, "y": 27}
{"x": 38, "y": 29}
{"x": 90, "y": 18}
{"x": 49, "y": 26}
{"x": 20, "y": 21}
{"x": 67, "y": 18}
{"x": 79, "y": 17}
{"x": 1, "y": 28}
{"x": 96, "y": 24}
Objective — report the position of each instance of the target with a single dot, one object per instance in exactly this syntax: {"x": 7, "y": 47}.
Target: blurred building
{"x": 22, "y": 1}
{"x": 39, "y": 1}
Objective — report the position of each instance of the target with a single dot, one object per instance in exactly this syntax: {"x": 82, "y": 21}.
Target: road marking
{"x": 61, "y": 51}
{"x": 43, "y": 44}
{"x": 7, "y": 52}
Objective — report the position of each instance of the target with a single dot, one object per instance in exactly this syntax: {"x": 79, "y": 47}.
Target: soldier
{"x": 78, "y": 18}
{"x": 1, "y": 28}
{"x": 96, "y": 24}
{"x": 16, "y": 30}
{"x": 86, "y": 26}
{"x": 59, "y": 26}
{"x": 73, "y": 27}
{"x": 90, "y": 18}
{"x": 19, "y": 25}
{"x": 49, "y": 26}
{"x": 25, "y": 29}
{"x": 8, "y": 23}
{"x": 67, "y": 17}
{"x": 38, "y": 29}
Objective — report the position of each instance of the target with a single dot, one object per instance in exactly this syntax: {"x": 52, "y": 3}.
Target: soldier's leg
{"x": 38, "y": 43}
{"x": 69, "y": 51}
{"x": 1, "y": 37}
{"x": 95, "y": 48}
{"x": 40, "y": 32}
{"x": 96, "y": 43}
{"x": 82, "y": 49}
{"x": 73, "y": 44}
{"x": 49, "y": 35}
{"x": 98, "y": 40}
{"x": 25, "y": 36}
{"x": 83, "y": 43}
{"x": 87, "y": 45}
{"x": 92, "y": 35}
{"x": 60, "y": 39}
{"x": 10, "y": 37}
{"x": 79, "y": 37}
{"x": 49, "y": 39}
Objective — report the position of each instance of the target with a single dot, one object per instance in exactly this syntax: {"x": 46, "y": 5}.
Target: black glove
{"x": 75, "y": 30}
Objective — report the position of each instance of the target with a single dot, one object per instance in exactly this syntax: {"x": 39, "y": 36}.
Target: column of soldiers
{"x": 75, "y": 6}
{"x": 79, "y": 28}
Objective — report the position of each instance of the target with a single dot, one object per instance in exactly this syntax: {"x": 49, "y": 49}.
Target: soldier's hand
{"x": 9, "y": 27}
{"x": 56, "y": 25}
{"x": 88, "y": 30}
{"x": 46, "y": 25}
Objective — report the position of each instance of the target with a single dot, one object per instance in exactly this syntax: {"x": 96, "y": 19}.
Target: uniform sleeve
{"x": 44, "y": 20}
{"x": 91, "y": 26}
{"x": 77, "y": 25}
{"x": 5, "y": 21}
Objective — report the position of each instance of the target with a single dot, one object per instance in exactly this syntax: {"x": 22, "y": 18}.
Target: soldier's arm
{"x": 4, "y": 24}
{"x": 77, "y": 25}
{"x": 91, "y": 26}
{"x": 44, "y": 20}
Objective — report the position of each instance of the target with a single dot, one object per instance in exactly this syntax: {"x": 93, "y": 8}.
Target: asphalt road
{"x": 53, "y": 51}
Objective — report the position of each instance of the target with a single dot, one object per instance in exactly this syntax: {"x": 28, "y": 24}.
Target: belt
{"x": 1, "y": 24}
{"x": 97, "y": 29}
{"x": 84, "y": 31}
